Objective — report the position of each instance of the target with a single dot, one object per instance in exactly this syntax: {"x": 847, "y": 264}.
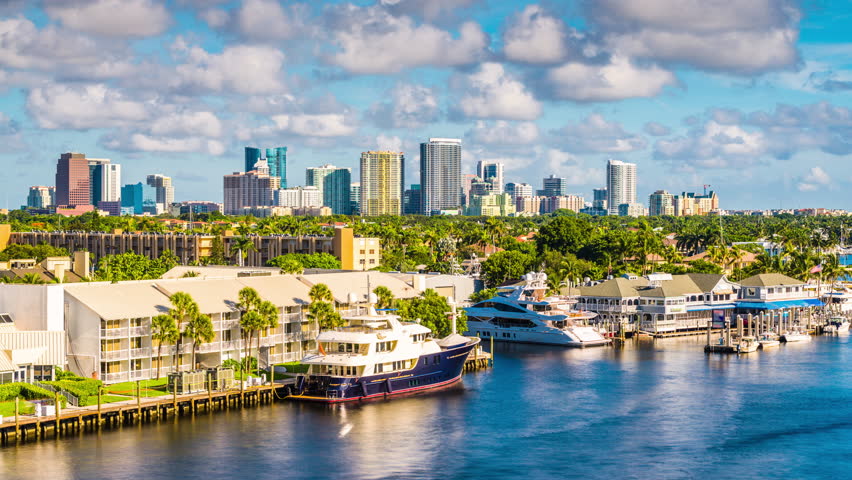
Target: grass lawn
{"x": 294, "y": 367}
{"x": 7, "y": 409}
{"x": 150, "y": 388}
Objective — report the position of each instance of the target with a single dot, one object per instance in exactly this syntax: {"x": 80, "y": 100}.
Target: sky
{"x": 750, "y": 97}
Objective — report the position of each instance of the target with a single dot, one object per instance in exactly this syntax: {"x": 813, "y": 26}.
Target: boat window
{"x": 379, "y": 367}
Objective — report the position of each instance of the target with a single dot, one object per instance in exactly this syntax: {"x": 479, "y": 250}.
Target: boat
{"x": 747, "y": 345}
{"x": 795, "y": 334}
{"x": 837, "y": 325}
{"x": 378, "y": 356}
{"x": 527, "y": 315}
{"x": 767, "y": 341}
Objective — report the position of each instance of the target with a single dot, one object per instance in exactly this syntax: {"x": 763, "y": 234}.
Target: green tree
{"x": 566, "y": 234}
{"x": 384, "y": 296}
{"x": 251, "y": 320}
{"x": 482, "y": 295}
{"x": 324, "y": 315}
{"x": 314, "y": 260}
{"x": 183, "y": 309}
{"x": 432, "y": 311}
{"x": 320, "y": 293}
{"x": 39, "y": 252}
{"x": 269, "y": 320}
{"x": 199, "y": 329}
{"x": 504, "y": 266}
{"x": 163, "y": 330}
{"x": 217, "y": 252}
{"x": 241, "y": 248}
{"x": 290, "y": 266}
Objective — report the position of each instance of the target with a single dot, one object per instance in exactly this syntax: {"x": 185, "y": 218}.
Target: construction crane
{"x": 705, "y": 188}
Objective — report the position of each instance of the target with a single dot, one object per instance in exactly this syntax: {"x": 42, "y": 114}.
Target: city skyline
{"x": 187, "y": 87}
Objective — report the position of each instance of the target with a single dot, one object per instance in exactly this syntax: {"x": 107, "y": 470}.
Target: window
{"x": 751, "y": 292}
{"x": 136, "y": 342}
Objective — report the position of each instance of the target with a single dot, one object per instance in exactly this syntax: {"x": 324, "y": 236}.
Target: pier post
{"x": 174, "y": 399}
{"x": 138, "y": 403}
{"x": 209, "y": 393}
{"x": 17, "y": 421}
{"x": 100, "y": 391}
{"x": 709, "y": 327}
{"x": 492, "y": 351}
{"x": 56, "y": 407}
{"x": 739, "y": 326}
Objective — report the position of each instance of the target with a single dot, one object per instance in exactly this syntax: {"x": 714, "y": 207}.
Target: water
{"x": 654, "y": 410}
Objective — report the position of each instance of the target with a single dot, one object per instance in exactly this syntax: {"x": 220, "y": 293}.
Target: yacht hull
{"x": 432, "y": 371}
{"x": 543, "y": 337}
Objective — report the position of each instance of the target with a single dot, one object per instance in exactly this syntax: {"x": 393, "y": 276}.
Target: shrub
{"x": 26, "y": 391}
{"x": 86, "y": 389}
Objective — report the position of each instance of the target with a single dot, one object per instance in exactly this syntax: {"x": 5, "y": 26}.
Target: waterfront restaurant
{"x": 774, "y": 291}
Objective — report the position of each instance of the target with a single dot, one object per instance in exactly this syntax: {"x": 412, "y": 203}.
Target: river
{"x": 652, "y": 409}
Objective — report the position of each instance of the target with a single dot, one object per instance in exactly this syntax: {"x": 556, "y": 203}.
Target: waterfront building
{"x": 73, "y": 180}
{"x": 276, "y": 161}
{"x": 620, "y": 185}
{"x": 517, "y": 190}
{"x": 355, "y": 198}
{"x": 492, "y": 173}
{"x": 255, "y": 188}
{"x": 693, "y": 204}
{"x": 573, "y": 203}
{"x": 440, "y": 174}
{"x": 660, "y": 303}
{"x": 165, "y": 191}
{"x": 299, "y": 197}
{"x": 554, "y": 186}
{"x": 41, "y": 197}
{"x": 491, "y": 205}
{"x": 28, "y": 350}
{"x": 411, "y": 200}
{"x": 141, "y": 198}
{"x": 382, "y": 183}
{"x": 333, "y": 184}
{"x": 774, "y": 291}
{"x": 661, "y": 202}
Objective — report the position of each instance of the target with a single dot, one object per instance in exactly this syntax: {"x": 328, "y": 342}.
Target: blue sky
{"x": 752, "y": 97}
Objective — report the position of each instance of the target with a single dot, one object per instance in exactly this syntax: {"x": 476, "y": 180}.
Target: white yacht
{"x": 837, "y": 325}
{"x": 527, "y": 315}
{"x": 795, "y": 334}
{"x": 379, "y": 356}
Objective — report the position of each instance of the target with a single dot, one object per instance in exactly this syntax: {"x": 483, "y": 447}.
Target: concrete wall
{"x": 83, "y": 338}
{"x": 34, "y": 307}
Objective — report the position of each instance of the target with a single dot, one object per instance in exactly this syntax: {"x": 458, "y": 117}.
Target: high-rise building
{"x": 688, "y": 203}
{"x": 104, "y": 180}
{"x": 276, "y": 159}
{"x": 140, "y": 199}
{"x": 661, "y": 202}
{"x": 467, "y": 181}
{"x": 599, "y": 198}
{"x": 478, "y": 188}
{"x": 334, "y": 184}
{"x": 620, "y": 185}
{"x": 411, "y": 200}
{"x": 529, "y": 205}
{"x": 382, "y": 180}
{"x": 491, "y": 205}
{"x": 517, "y": 190}
{"x": 355, "y": 198}
{"x": 299, "y": 197}
{"x": 632, "y": 210}
{"x": 554, "y": 186}
{"x": 72, "y": 180}
{"x": 491, "y": 172}
{"x": 255, "y": 188}
{"x": 41, "y": 197}
{"x": 562, "y": 202}
{"x": 440, "y": 174}
{"x": 163, "y": 186}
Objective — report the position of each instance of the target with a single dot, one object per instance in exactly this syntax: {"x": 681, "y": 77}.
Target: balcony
{"x": 229, "y": 324}
{"x": 113, "y": 332}
{"x": 291, "y": 317}
{"x": 114, "y": 355}
{"x": 140, "y": 331}
{"x": 140, "y": 374}
{"x": 114, "y": 377}
{"x": 140, "y": 352}
{"x": 232, "y": 345}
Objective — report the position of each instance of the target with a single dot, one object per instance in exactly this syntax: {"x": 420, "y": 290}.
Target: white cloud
{"x": 215, "y": 17}
{"x": 246, "y": 69}
{"x": 714, "y": 146}
{"x": 371, "y": 41}
{"x": 410, "y": 106}
{"x": 502, "y": 132}
{"x": 596, "y": 135}
{"x": 656, "y": 129}
{"x": 83, "y": 107}
{"x": 535, "y": 37}
{"x": 616, "y": 80}
{"x": 731, "y": 35}
{"x": 205, "y": 124}
{"x": 313, "y": 125}
{"x": 429, "y": 9}
{"x": 120, "y": 18}
{"x": 269, "y": 20}
{"x": 816, "y": 179}
{"x": 573, "y": 168}
{"x": 493, "y": 93}
{"x": 147, "y": 143}
{"x": 389, "y": 143}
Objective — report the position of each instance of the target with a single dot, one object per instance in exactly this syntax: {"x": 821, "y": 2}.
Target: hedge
{"x": 86, "y": 389}
{"x": 9, "y": 391}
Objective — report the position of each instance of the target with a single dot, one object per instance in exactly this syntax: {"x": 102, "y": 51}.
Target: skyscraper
{"x": 599, "y": 198}
{"x": 333, "y": 184}
{"x": 491, "y": 172}
{"x": 382, "y": 179}
{"x": 72, "y": 180}
{"x": 440, "y": 174}
{"x": 517, "y": 190}
{"x": 104, "y": 180}
{"x": 255, "y": 188}
{"x": 620, "y": 184}
{"x": 355, "y": 198}
{"x": 411, "y": 200}
{"x": 554, "y": 186}
{"x": 41, "y": 197}
{"x": 661, "y": 202}
{"x": 140, "y": 198}
{"x": 163, "y": 186}
{"x": 276, "y": 159}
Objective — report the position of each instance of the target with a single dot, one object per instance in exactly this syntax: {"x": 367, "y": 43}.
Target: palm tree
{"x": 321, "y": 309}
{"x": 32, "y": 279}
{"x": 184, "y": 307}
{"x": 291, "y": 266}
{"x": 269, "y": 320}
{"x": 320, "y": 293}
{"x": 200, "y": 330}
{"x": 241, "y": 247}
{"x": 384, "y": 296}
{"x": 163, "y": 329}
{"x": 250, "y": 320}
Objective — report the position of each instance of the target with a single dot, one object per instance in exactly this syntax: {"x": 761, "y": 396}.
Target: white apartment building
{"x": 621, "y": 184}
{"x": 300, "y": 197}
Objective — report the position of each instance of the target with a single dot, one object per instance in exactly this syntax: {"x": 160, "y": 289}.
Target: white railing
{"x": 232, "y": 345}
{"x": 114, "y": 355}
{"x": 288, "y": 357}
{"x": 291, "y": 317}
{"x": 140, "y": 352}
{"x": 113, "y": 332}
{"x": 207, "y": 347}
{"x": 114, "y": 377}
{"x": 140, "y": 374}
{"x": 140, "y": 331}
{"x": 72, "y": 399}
{"x": 229, "y": 324}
